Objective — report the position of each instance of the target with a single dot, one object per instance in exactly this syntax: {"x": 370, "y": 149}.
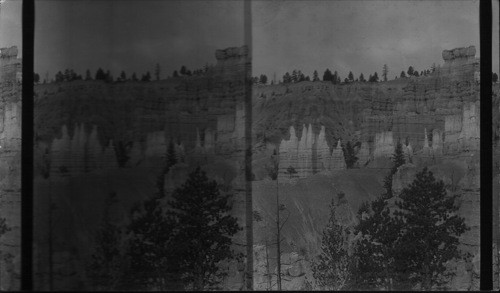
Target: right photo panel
{"x": 365, "y": 135}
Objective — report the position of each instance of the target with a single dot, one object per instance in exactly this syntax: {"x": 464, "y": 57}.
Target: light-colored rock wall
{"x": 309, "y": 155}
{"x": 80, "y": 154}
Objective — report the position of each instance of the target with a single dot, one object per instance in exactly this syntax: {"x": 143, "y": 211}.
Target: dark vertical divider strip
{"x": 248, "y": 144}
{"x": 28, "y": 22}
{"x": 485, "y": 19}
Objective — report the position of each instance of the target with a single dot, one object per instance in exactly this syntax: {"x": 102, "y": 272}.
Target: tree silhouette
{"x": 263, "y": 79}
{"x": 398, "y": 158}
{"x": 157, "y": 71}
{"x": 327, "y": 75}
{"x": 87, "y": 75}
{"x": 287, "y": 78}
{"x": 183, "y": 70}
{"x": 403, "y": 74}
{"x": 202, "y": 231}
{"x": 362, "y": 78}
{"x": 100, "y": 75}
{"x": 431, "y": 231}
{"x": 107, "y": 264}
{"x": 149, "y": 232}
{"x": 123, "y": 76}
{"x": 349, "y": 155}
{"x": 134, "y": 77}
{"x": 333, "y": 268}
{"x": 410, "y": 71}
{"x": 350, "y": 76}
{"x": 315, "y": 76}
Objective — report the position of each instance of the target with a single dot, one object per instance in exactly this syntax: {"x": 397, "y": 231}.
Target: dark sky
{"x": 341, "y": 35}
{"x": 133, "y": 35}
{"x": 359, "y": 35}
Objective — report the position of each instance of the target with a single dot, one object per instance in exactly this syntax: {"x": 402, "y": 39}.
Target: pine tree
{"x": 432, "y": 230}
{"x": 108, "y": 262}
{"x": 287, "y": 78}
{"x": 157, "y": 71}
{"x": 349, "y": 155}
{"x": 333, "y": 268}
{"x": 123, "y": 76}
{"x": 403, "y": 74}
{"x": 87, "y": 75}
{"x": 263, "y": 79}
{"x": 327, "y": 75}
{"x": 376, "y": 249}
{"x": 175, "y": 74}
{"x": 100, "y": 75}
{"x": 150, "y": 231}
{"x": 315, "y": 76}
{"x": 411, "y": 71}
{"x": 398, "y": 158}
{"x": 183, "y": 70}
{"x": 362, "y": 78}
{"x": 350, "y": 76}
{"x": 202, "y": 231}
{"x": 295, "y": 77}
{"x": 171, "y": 157}
{"x": 134, "y": 77}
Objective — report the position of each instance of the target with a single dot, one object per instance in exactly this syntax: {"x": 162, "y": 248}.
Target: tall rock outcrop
{"x": 309, "y": 155}
{"x": 82, "y": 153}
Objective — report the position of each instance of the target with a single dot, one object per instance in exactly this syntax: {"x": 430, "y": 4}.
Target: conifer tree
{"x": 411, "y": 71}
{"x": 349, "y": 155}
{"x": 398, "y": 158}
{"x": 202, "y": 231}
{"x": 403, "y": 74}
{"x": 375, "y": 251}
{"x": 150, "y": 262}
{"x": 87, "y": 75}
{"x": 106, "y": 268}
{"x": 432, "y": 230}
{"x": 327, "y": 75}
{"x": 157, "y": 71}
{"x": 362, "y": 78}
{"x": 287, "y": 78}
{"x": 171, "y": 157}
{"x": 333, "y": 268}
{"x": 351, "y": 76}
{"x": 315, "y": 76}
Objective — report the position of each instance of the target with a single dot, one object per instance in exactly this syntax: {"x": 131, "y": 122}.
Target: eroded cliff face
{"x": 435, "y": 117}
{"x": 91, "y": 132}
{"x": 10, "y": 168}
{"x": 80, "y": 125}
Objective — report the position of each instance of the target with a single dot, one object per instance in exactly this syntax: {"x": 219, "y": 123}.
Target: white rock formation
{"x": 384, "y": 144}
{"x": 337, "y": 158}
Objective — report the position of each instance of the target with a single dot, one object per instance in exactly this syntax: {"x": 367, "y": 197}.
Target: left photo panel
{"x": 10, "y": 144}
{"x": 139, "y": 151}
